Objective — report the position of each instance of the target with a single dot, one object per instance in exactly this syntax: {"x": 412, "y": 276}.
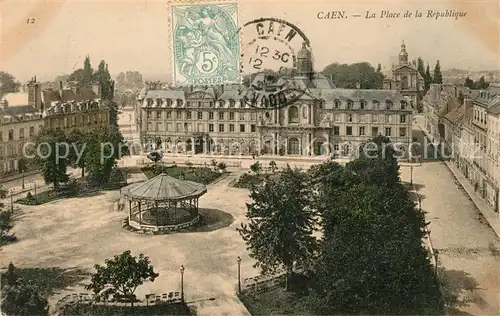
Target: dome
{"x": 304, "y": 53}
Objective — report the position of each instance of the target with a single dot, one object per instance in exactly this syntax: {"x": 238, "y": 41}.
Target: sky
{"x": 136, "y": 35}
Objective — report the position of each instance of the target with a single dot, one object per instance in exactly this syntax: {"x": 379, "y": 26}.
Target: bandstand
{"x": 163, "y": 203}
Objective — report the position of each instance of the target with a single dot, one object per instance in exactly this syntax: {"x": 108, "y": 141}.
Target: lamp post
{"x": 239, "y": 274}
{"x": 411, "y": 175}
{"x": 11, "y": 201}
{"x": 182, "y": 283}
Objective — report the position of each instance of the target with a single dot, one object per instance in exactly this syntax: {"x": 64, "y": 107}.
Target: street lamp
{"x": 239, "y": 274}
{"x": 182, "y": 283}
{"x": 411, "y": 175}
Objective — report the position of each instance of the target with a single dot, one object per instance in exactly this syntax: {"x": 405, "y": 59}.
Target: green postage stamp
{"x": 206, "y": 45}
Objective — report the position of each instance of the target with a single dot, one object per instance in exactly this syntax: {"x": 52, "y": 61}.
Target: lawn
{"x": 100, "y": 310}
{"x": 247, "y": 180}
{"x": 202, "y": 175}
{"x": 274, "y": 302}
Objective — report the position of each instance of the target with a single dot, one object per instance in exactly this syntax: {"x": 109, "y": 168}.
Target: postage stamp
{"x": 204, "y": 50}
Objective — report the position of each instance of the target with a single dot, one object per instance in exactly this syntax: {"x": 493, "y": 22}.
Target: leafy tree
{"x": 87, "y": 74}
{"x": 281, "y": 223}
{"x": 104, "y": 147}
{"x": 6, "y": 224}
{"x": 256, "y": 167}
{"x": 427, "y": 78}
{"x": 273, "y": 166}
{"x": 52, "y": 157}
{"x": 8, "y": 83}
{"x": 481, "y": 83}
{"x": 348, "y": 76}
{"x": 23, "y": 299}
{"x": 469, "y": 83}
{"x": 438, "y": 77}
{"x": 124, "y": 272}
{"x": 78, "y": 149}
{"x": 154, "y": 156}
{"x": 77, "y": 75}
{"x": 421, "y": 67}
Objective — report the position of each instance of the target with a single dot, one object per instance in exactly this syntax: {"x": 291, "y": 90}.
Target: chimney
{"x": 467, "y": 105}
{"x": 455, "y": 91}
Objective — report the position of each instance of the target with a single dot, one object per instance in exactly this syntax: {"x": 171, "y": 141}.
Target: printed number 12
{"x": 30, "y": 21}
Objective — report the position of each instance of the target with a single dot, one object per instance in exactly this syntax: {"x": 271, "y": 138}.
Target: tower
{"x": 304, "y": 62}
{"x": 403, "y": 55}
{"x": 35, "y": 94}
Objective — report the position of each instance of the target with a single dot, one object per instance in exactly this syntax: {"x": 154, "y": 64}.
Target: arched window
{"x": 179, "y": 102}
{"x": 362, "y": 104}
{"x": 221, "y": 103}
{"x": 349, "y": 104}
{"x": 293, "y": 146}
{"x": 321, "y": 104}
{"x": 231, "y": 103}
{"x": 293, "y": 114}
{"x": 388, "y": 104}
{"x": 336, "y": 104}
{"x": 159, "y": 102}
{"x": 375, "y": 104}
{"x": 403, "y": 105}
{"x": 150, "y": 102}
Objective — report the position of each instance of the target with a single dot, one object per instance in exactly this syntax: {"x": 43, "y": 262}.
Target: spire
{"x": 403, "y": 55}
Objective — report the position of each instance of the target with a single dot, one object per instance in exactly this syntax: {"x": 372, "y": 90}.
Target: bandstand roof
{"x": 164, "y": 188}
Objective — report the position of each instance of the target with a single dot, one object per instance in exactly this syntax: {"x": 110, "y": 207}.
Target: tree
{"x": 154, "y": 156}
{"x": 469, "y": 83}
{"x": 52, "y": 156}
{"x": 77, "y": 75}
{"x": 8, "y": 83}
{"x": 379, "y": 68}
{"x": 6, "y": 224}
{"x": 281, "y": 223}
{"x": 348, "y": 76}
{"x": 124, "y": 273}
{"x": 273, "y": 166}
{"x": 78, "y": 149}
{"x": 88, "y": 72}
{"x": 481, "y": 84}
{"x": 427, "y": 78}
{"x": 256, "y": 167}
{"x": 23, "y": 299}
{"x": 438, "y": 77}
{"x": 421, "y": 67}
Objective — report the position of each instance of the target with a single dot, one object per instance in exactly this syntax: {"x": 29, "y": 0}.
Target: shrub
{"x": 222, "y": 166}
{"x": 29, "y": 196}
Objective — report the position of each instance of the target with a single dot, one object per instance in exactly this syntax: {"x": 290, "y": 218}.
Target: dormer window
{"x": 388, "y": 104}
{"x": 403, "y": 105}
{"x": 336, "y": 104}
{"x": 221, "y": 103}
{"x": 180, "y": 102}
{"x": 231, "y": 103}
{"x": 159, "y": 102}
{"x": 349, "y": 104}
{"x": 321, "y": 104}
{"x": 362, "y": 104}
{"x": 150, "y": 102}
{"x": 375, "y": 104}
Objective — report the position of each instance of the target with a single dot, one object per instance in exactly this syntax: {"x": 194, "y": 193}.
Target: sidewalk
{"x": 491, "y": 217}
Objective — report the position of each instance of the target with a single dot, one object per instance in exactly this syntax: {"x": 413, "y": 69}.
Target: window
{"x": 293, "y": 114}
{"x": 231, "y": 116}
{"x": 188, "y": 115}
{"x": 11, "y": 134}
{"x": 242, "y": 116}
{"x": 159, "y": 127}
{"x": 252, "y": 128}
{"x": 210, "y": 115}
{"x": 336, "y": 147}
{"x": 336, "y": 130}
{"x": 402, "y": 119}
{"x": 375, "y": 104}
{"x": 388, "y": 104}
{"x": 403, "y": 105}
{"x": 221, "y": 127}
{"x": 158, "y": 115}
{"x": 362, "y": 131}
{"x": 387, "y": 118}
{"x": 348, "y": 130}
{"x": 32, "y": 131}
{"x": 200, "y": 115}
{"x": 178, "y": 115}
{"x": 362, "y": 118}
{"x": 179, "y": 127}
{"x": 374, "y": 131}
{"x": 210, "y": 127}
{"x": 336, "y": 104}
{"x": 349, "y": 118}
{"x": 159, "y": 102}
{"x": 231, "y": 127}
{"x": 149, "y": 116}
{"x": 221, "y": 115}
{"x": 150, "y": 126}
{"x": 402, "y": 132}
{"x": 349, "y": 104}
{"x": 242, "y": 128}
{"x": 362, "y": 104}
{"x": 221, "y": 103}
{"x": 21, "y": 133}
{"x": 387, "y": 131}
{"x": 150, "y": 102}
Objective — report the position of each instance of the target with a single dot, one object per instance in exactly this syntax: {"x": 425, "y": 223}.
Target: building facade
{"x": 323, "y": 121}
{"x": 19, "y": 123}
{"x": 406, "y": 79}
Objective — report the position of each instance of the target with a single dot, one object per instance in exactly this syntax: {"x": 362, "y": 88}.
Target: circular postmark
{"x": 269, "y": 58}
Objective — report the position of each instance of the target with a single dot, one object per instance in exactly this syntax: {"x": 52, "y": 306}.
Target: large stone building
{"x": 24, "y": 114}
{"x": 406, "y": 78}
{"x": 323, "y": 120}
{"x": 19, "y": 123}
